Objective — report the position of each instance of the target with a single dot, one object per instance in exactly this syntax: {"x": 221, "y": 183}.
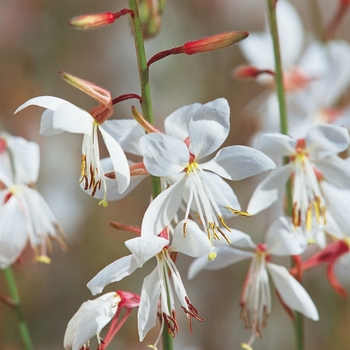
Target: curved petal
{"x": 292, "y": 292}
{"x": 335, "y": 170}
{"x": 26, "y": 159}
{"x": 64, "y": 117}
{"x": 327, "y": 139}
{"x": 145, "y": 247}
{"x": 176, "y": 124}
{"x": 276, "y": 145}
{"x": 237, "y": 239}
{"x": 118, "y": 158}
{"x": 189, "y": 239}
{"x": 209, "y": 127}
{"x": 269, "y": 190}
{"x": 280, "y": 239}
{"x": 127, "y": 132}
{"x": 113, "y": 272}
{"x": 226, "y": 256}
{"x": 147, "y": 314}
{"x": 13, "y": 235}
{"x": 239, "y": 162}
{"x": 163, "y": 209}
{"x": 164, "y": 155}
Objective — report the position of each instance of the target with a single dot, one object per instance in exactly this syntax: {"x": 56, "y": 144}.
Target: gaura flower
{"x": 24, "y": 214}
{"x": 157, "y": 295}
{"x": 93, "y": 316}
{"x": 61, "y": 116}
{"x": 310, "y": 159}
{"x": 184, "y": 161}
{"x": 256, "y": 297}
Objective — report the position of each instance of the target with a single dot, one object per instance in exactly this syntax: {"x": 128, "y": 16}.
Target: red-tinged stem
{"x": 125, "y": 97}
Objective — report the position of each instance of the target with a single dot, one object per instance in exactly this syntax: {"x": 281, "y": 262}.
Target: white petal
{"x": 176, "y": 124}
{"x": 276, "y": 145}
{"x": 163, "y": 155}
{"x": 292, "y": 292}
{"x": 163, "y": 209}
{"x": 147, "y": 314}
{"x": 145, "y": 247}
{"x": 209, "y": 127}
{"x": 113, "y": 272}
{"x": 127, "y": 132}
{"x": 190, "y": 240}
{"x": 118, "y": 158}
{"x": 90, "y": 318}
{"x": 226, "y": 256}
{"x": 327, "y": 139}
{"x": 270, "y": 189}
{"x": 13, "y": 235}
{"x": 61, "y": 116}
{"x": 26, "y": 159}
{"x": 281, "y": 240}
{"x": 239, "y": 162}
{"x": 335, "y": 170}
{"x": 237, "y": 239}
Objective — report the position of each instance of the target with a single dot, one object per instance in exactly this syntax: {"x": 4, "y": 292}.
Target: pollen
{"x": 192, "y": 167}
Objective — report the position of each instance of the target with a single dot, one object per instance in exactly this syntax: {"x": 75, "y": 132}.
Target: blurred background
{"x": 35, "y": 43}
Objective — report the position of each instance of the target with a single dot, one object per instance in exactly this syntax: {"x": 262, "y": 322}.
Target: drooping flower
{"x": 24, "y": 214}
{"x": 157, "y": 295}
{"x": 93, "y": 316}
{"x": 193, "y": 178}
{"x": 256, "y": 297}
{"x": 310, "y": 159}
{"x": 61, "y": 116}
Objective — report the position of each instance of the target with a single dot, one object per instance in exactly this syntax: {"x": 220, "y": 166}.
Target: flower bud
{"x": 247, "y": 72}
{"x": 92, "y": 21}
{"x": 96, "y": 92}
{"x": 214, "y": 42}
{"x": 150, "y": 16}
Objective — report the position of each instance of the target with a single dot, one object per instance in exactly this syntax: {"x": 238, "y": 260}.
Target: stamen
{"x": 184, "y": 229}
{"x": 223, "y": 223}
{"x": 238, "y": 212}
{"x": 171, "y": 323}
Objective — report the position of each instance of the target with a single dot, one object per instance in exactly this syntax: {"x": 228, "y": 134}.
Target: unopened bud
{"x": 96, "y": 92}
{"x": 247, "y": 72}
{"x": 150, "y": 16}
{"x": 92, "y": 21}
{"x": 97, "y": 20}
{"x": 214, "y": 42}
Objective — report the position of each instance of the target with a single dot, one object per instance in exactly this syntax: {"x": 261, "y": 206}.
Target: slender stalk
{"x": 271, "y": 4}
{"x": 146, "y": 104}
{"x": 147, "y": 112}
{"x": 10, "y": 279}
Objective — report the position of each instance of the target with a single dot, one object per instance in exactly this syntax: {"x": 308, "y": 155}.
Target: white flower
{"x": 184, "y": 162}
{"x": 24, "y": 214}
{"x": 89, "y": 320}
{"x": 312, "y": 158}
{"x": 61, "y": 116}
{"x": 256, "y": 297}
{"x": 157, "y": 286}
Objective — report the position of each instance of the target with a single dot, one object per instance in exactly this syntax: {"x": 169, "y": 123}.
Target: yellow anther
{"x": 309, "y": 218}
{"x": 238, "y": 212}
{"x": 43, "y": 259}
{"x": 184, "y": 229}
{"x": 246, "y": 346}
{"x": 83, "y": 166}
{"x": 223, "y": 223}
{"x": 212, "y": 256}
{"x": 191, "y": 167}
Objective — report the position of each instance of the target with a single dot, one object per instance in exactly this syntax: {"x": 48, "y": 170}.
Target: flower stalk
{"x": 271, "y": 6}
{"x": 10, "y": 279}
{"x": 147, "y": 112}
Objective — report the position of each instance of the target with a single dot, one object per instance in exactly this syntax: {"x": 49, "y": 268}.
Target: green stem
{"x": 146, "y": 104}
{"x": 147, "y": 112}
{"x": 10, "y": 279}
{"x": 298, "y": 322}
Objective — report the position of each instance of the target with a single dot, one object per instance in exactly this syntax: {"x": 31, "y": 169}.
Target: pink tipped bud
{"x": 214, "y": 42}
{"x": 249, "y": 72}
{"x": 96, "y": 92}
{"x": 92, "y": 21}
